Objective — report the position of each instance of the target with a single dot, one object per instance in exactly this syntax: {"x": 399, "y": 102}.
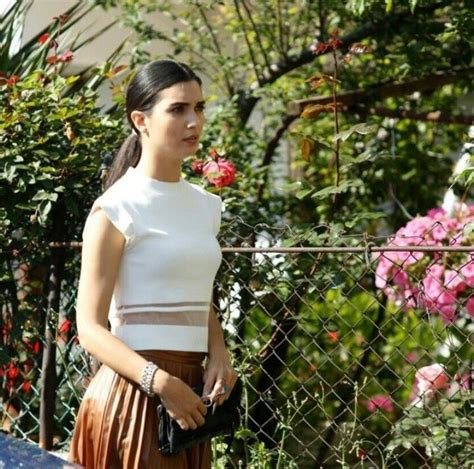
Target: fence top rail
{"x": 368, "y": 247}
{"x": 353, "y": 249}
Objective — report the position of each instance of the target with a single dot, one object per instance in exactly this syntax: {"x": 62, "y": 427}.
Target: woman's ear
{"x": 139, "y": 121}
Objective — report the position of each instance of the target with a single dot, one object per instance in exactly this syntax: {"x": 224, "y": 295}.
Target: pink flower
{"x": 404, "y": 277}
{"x": 400, "y": 278}
{"x": 470, "y": 306}
{"x": 436, "y": 212}
{"x": 432, "y": 282}
{"x": 461, "y": 383}
{"x": 453, "y": 281}
{"x": 467, "y": 271}
{"x": 430, "y": 379}
{"x": 380, "y": 401}
{"x": 197, "y": 166}
{"x": 220, "y": 172}
{"x": 66, "y": 56}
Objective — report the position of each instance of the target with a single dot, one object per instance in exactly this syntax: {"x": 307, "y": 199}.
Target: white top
{"x": 163, "y": 292}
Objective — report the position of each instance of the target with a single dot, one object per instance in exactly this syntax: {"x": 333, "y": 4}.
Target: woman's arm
{"x": 219, "y": 371}
{"x": 102, "y": 251}
{"x": 216, "y": 343}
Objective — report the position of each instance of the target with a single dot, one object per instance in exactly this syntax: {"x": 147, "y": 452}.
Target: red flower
{"x": 197, "y": 166}
{"x": 26, "y": 386}
{"x": 43, "y": 38}
{"x": 220, "y": 172}
{"x": 380, "y": 401}
{"x": 13, "y": 80}
{"x": 66, "y": 56}
{"x": 333, "y": 336}
{"x": 13, "y": 372}
{"x": 65, "y": 326}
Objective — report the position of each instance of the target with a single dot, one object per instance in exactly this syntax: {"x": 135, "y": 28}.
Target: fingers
{"x": 209, "y": 380}
{"x": 223, "y": 387}
{"x": 195, "y": 417}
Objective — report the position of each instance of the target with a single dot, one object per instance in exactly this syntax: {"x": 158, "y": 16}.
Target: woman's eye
{"x": 201, "y": 108}
{"x": 177, "y": 109}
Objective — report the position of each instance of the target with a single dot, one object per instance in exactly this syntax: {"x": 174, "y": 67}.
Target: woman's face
{"x": 173, "y": 126}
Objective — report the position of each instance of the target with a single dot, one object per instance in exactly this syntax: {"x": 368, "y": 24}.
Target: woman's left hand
{"x": 219, "y": 377}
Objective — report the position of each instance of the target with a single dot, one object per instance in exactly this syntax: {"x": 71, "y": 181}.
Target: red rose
{"x": 220, "y": 173}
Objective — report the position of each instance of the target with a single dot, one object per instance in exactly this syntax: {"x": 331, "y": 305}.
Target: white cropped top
{"x": 163, "y": 292}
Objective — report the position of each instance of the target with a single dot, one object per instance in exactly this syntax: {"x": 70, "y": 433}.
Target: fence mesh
{"x": 351, "y": 352}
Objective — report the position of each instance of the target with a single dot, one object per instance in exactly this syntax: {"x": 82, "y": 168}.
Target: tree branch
{"x": 252, "y": 56}
{"x": 430, "y": 116}
{"x": 257, "y": 35}
{"x": 385, "y": 90}
{"x": 230, "y": 88}
{"x": 277, "y": 70}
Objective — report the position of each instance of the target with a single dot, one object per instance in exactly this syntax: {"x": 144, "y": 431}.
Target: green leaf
{"x": 304, "y": 193}
{"x": 43, "y": 195}
{"x": 342, "y": 187}
{"x": 362, "y": 129}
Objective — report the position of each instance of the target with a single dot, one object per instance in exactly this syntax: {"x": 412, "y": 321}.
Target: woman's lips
{"x": 191, "y": 140}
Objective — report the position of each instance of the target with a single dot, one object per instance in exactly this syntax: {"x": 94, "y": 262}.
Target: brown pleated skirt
{"x": 117, "y": 424}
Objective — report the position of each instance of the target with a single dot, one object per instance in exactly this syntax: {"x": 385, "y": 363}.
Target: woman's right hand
{"x": 181, "y": 402}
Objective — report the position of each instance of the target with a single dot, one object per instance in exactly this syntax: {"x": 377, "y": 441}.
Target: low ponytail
{"x": 142, "y": 94}
{"x": 128, "y": 155}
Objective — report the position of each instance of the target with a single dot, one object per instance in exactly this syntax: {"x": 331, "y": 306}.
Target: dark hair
{"x": 142, "y": 94}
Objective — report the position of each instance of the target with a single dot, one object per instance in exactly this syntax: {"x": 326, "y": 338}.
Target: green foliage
{"x": 49, "y": 159}
{"x": 443, "y": 429}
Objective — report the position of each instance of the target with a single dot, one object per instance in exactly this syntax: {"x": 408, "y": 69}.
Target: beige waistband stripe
{"x": 182, "y": 318}
{"x": 177, "y": 304}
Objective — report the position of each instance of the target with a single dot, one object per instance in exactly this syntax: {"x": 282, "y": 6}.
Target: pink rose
{"x": 467, "y": 271}
{"x": 220, "y": 172}
{"x": 436, "y": 212}
{"x": 430, "y": 379}
{"x": 470, "y": 306}
{"x": 454, "y": 281}
{"x": 197, "y": 166}
{"x": 380, "y": 401}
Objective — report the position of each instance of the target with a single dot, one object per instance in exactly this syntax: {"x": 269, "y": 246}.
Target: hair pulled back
{"x": 142, "y": 94}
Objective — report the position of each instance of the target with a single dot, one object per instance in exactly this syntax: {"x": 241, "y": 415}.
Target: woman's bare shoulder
{"x": 99, "y": 230}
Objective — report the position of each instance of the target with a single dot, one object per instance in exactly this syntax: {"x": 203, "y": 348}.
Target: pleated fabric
{"x": 117, "y": 423}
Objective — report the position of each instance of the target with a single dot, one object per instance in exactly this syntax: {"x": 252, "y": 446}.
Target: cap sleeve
{"x": 117, "y": 212}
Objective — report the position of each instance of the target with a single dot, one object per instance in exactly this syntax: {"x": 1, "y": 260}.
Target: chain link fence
{"x": 354, "y": 353}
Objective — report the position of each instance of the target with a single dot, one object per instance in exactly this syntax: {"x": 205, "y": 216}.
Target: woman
{"x": 149, "y": 259}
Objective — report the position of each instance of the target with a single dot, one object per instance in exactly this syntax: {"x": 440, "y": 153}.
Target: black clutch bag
{"x": 224, "y": 421}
